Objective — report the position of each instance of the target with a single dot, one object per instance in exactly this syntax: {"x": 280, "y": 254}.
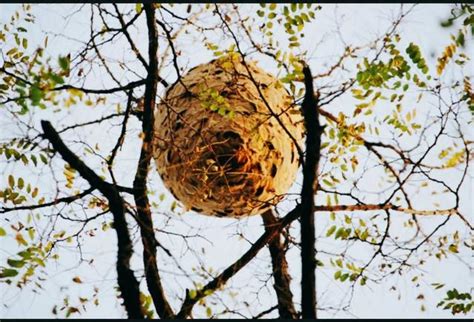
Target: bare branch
{"x": 128, "y": 283}
{"x": 310, "y": 167}
{"x": 231, "y": 270}
{"x": 145, "y": 220}
{"x": 281, "y": 275}
{"x": 68, "y": 199}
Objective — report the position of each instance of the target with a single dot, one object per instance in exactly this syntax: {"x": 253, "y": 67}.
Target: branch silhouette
{"x": 127, "y": 281}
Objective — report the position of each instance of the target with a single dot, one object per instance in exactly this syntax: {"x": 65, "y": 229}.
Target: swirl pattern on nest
{"x": 218, "y": 147}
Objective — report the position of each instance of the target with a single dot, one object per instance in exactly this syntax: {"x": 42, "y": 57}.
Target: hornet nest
{"x": 218, "y": 147}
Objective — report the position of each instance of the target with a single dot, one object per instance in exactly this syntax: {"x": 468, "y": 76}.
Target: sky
{"x": 224, "y": 244}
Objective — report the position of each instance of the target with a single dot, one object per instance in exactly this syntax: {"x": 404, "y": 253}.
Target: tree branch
{"x": 128, "y": 284}
{"x": 68, "y": 199}
{"x": 310, "y": 167}
{"x": 129, "y": 38}
{"x": 281, "y": 276}
{"x": 123, "y": 88}
{"x": 231, "y": 270}
{"x": 145, "y": 220}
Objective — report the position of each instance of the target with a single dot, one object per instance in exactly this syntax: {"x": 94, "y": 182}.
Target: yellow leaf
{"x": 21, "y": 241}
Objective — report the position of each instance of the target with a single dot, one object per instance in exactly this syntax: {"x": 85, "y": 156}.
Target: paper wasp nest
{"x": 218, "y": 148}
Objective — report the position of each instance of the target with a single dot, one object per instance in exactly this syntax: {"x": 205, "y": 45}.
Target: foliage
{"x": 457, "y": 302}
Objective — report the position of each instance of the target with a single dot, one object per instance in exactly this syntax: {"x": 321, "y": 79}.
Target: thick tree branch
{"x": 310, "y": 167}
{"x": 231, "y": 270}
{"x": 128, "y": 284}
{"x": 281, "y": 275}
{"x": 145, "y": 220}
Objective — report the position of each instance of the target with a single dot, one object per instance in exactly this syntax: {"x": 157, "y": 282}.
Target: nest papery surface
{"x": 218, "y": 147}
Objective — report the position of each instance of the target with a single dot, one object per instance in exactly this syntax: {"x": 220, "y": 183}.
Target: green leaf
{"x": 36, "y": 94}
{"x": 34, "y": 159}
{"x": 21, "y": 183}
{"x": 331, "y": 231}
{"x": 344, "y": 277}
{"x": 56, "y": 78}
{"x": 222, "y": 111}
{"x": 339, "y": 233}
{"x": 31, "y": 233}
{"x": 39, "y": 261}
{"x": 64, "y": 63}
{"x": 7, "y": 272}
{"x": 173, "y": 206}
{"x": 2, "y": 232}
{"x": 26, "y": 254}
{"x": 15, "y": 263}
{"x": 43, "y": 158}
{"x": 138, "y": 7}
{"x": 11, "y": 181}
